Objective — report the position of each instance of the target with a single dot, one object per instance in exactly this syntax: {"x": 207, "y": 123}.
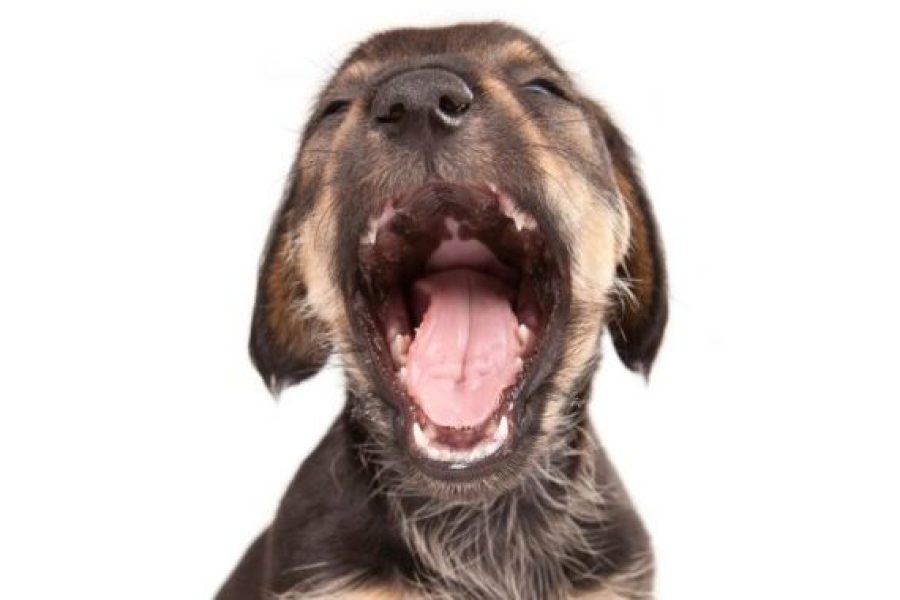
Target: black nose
{"x": 433, "y": 98}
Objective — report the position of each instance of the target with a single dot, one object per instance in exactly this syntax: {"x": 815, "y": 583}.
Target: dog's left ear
{"x": 638, "y": 326}
{"x": 287, "y": 342}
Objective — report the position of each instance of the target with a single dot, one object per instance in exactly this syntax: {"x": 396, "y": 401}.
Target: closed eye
{"x": 544, "y": 87}
{"x": 333, "y": 108}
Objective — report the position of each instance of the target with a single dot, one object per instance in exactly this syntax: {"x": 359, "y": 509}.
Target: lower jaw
{"x": 486, "y": 443}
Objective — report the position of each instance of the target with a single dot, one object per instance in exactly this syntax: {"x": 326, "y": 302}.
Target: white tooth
{"x": 402, "y": 375}
{"x": 399, "y": 349}
{"x": 525, "y": 335}
{"x": 453, "y": 225}
{"x": 519, "y": 220}
{"x": 419, "y": 437}
{"x": 522, "y": 220}
{"x": 440, "y": 453}
{"x": 459, "y": 458}
{"x": 519, "y": 363}
{"x": 489, "y": 448}
{"x": 491, "y": 430}
{"x": 502, "y": 429}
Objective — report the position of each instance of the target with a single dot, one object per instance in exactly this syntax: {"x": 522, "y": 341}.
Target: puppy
{"x": 460, "y": 227}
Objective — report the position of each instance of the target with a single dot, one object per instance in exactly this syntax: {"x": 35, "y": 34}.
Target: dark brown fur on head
{"x": 529, "y": 131}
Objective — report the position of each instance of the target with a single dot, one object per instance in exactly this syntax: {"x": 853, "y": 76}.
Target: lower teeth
{"x": 461, "y": 458}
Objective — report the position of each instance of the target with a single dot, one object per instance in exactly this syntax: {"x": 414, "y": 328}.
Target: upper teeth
{"x": 400, "y": 349}
{"x": 372, "y": 234}
{"x": 525, "y": 336}
{"x": 521, "y": 219}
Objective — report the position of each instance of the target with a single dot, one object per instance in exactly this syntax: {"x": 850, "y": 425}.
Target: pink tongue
{"x": 466, "y": 350}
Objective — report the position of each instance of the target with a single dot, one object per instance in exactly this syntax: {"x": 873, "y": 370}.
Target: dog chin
{"x": 458, "y": 288}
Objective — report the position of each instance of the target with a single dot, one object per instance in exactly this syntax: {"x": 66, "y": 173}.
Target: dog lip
{"x": 470, "y": 465}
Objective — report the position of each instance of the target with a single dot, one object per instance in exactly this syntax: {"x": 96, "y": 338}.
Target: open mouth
{"x": 459, "y": 286}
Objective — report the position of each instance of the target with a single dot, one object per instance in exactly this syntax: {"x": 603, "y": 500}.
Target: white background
{"x": 142, "y": 152}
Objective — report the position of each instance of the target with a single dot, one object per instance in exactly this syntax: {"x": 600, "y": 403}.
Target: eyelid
{"x": 542, "y": 85}
{"x": 334, "y": 107}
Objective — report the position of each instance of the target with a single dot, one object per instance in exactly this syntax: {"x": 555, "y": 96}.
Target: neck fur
{"x": 532, "y": 541}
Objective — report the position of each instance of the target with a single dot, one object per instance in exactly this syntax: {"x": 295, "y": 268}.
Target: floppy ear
{"x": 637, "y": 328}
{"x": 287, "y": 343}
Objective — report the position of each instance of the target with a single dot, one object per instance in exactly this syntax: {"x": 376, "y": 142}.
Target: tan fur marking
{"x": 359, "y": 69}
{"x": 640, "y": 258}
{"x": 599, "y": 236}
{"x": 276, "y": 284}
{"x": 517, "y": 51}
{"x": 318, "y": 238}
{"x": 498, "y": 91}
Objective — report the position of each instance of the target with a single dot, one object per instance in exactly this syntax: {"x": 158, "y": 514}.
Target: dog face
{"x": 460, "y": 226}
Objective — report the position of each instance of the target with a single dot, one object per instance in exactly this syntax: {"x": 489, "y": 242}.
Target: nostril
{"x": 452, "y": 108}
{"x": 427, "y": 97}
{"x": 394, "y": 113}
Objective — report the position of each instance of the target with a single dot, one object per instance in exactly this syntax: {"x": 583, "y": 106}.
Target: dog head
{"x": 460, "y": 226}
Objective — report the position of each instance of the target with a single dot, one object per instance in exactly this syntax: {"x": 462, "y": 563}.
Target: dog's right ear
{"x": 638, "y": 327}
{"x": 287, "y": 343}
